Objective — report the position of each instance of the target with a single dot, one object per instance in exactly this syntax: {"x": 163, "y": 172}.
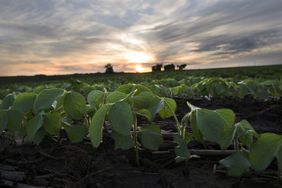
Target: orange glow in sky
{"x": 138, "y": 57}
{"x": 139, "y": 68}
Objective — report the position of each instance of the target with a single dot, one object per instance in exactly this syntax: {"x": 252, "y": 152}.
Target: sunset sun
{"x": 138, "y": 57}
{"x": 139, "y": 68}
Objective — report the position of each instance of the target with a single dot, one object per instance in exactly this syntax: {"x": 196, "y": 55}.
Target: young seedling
{"x": 121, "y": 109}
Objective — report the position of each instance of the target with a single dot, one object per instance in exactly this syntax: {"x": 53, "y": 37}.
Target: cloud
{"x": 68, "y": 36}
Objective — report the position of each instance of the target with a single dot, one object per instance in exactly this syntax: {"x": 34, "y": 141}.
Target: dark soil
{"x": 63, "y": 164}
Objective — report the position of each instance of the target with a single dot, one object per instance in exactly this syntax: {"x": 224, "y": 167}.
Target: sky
{"x": 82, "y": 36}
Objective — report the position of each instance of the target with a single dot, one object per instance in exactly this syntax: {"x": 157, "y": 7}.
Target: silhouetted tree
{"x": 157, "y": 67}
{"x": 181, "y": 67}
{"x": 169, "y": 67}
{"x": 109, "y": 69}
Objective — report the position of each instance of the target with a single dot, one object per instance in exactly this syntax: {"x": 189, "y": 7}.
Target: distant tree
{"x": 181, "y": 67}
{"x": 169, "y": 67}
{"x": 109, "y": 69}
{"x": 157, "y": 67}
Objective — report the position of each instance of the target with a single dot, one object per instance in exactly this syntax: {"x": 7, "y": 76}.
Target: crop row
{"x": 187, "y": 87}
{"x": 33, "y": 116}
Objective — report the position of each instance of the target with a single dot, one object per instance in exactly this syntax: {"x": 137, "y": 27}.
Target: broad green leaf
{"x": 24, "y": 102}
{"x": 264, "y": 150}
{"x": 243, "y": 127}
{"x": 213, "y": 126}
{"x": 144, "y": 100}
{"x": 46, "y": 98}
{"x": 168, "y": 109}
{"x": 122, "y": 141}
{"x": 227, "y": 137}
{"x": 76, "y": 133}
{"x": 156, "y": 107}
{"x": 39, "y": 136}
{"x": 39, "y": 88}
{"x": 151, "y": 137}
{"x": 3, "y": 120}
{"x": 15, "y": 119}
{"x": 8, "y": 101}
{"x": 145, "y": 113}
{"x": 74, "y": 105}
{"x": 227, "y": 115}
{"x": 115, "y": 96}
{"x": 236, "y": 164}
{"x": 196, "y": 131}
{"x": 95, "y": 98}
{"x": 245, "y": 132}
{"x": 121, "y": 118}
{"x": 52, "y": 123}
{"x": 192, "y": 107}
{"x": 210, "y": 124}
{"x": 229, "y": 118}
{"x": 59, "y": 102}
{"x": 128, "y": 88}
{"x": 33, "y": 126}
{"x": 96, "y": 126}
{"x": 181, "y": 149}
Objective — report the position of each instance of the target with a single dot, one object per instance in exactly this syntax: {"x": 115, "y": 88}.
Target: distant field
{"x": 271, "y": 71}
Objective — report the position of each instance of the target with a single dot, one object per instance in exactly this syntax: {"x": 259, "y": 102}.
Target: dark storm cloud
{"x": 73, "y": 35}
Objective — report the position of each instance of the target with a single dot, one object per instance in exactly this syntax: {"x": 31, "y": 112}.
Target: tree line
{"x": 168, "y": 67}
{"x": 155, "y": 68}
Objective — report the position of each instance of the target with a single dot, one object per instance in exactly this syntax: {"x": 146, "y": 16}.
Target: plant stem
{"x": 178, "y": 125}
{"x": 135, "y": 138}
{"x": 236, "y": 145}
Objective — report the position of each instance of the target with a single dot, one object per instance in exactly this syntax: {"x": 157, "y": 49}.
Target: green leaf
{"x": 213, "y": 126}
{"x": 156, "y": 107}
{"x": 227, "y": 137}
{"x": 95, "y": 98}
{"x": 47, "y": 98}
{"x": 227, "y": 115}
{"x": 15, "y": 119}
{"x": 3, "y": 120}
{"x": 74, "y": 105}
{"x": 151, "y": 137}
{"x": 245, "y": 132}
{"x": 121, "y": 118}
{"x": 236, "y": 164}
{"x": 52, "y": 123}
{"x": 39, "y": 136}
{"x": 128, "y": 88}
{"x": 264, "y": 150}
{"x": 33, "y": 126}
{"x": 196, "y": 131}
{"x": 192, "y": 107}
{"x": 8, "y": 101}
{"x": 76, "y": 133}
{"x": 145, "y": 113}
{"x": 122, "y": 141}
{"x": 144, "y": 100}
{"x": 24, "y": 102}
{"x": 115, "y": 96}
{"x": 229, "y": 118}
{"x": 181, "y": 149}
{"x": 59, "y": 102}
{"x": 210, "y": 124}
{"x": 96, "y": 126}
{"x": 168, "y": 109}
